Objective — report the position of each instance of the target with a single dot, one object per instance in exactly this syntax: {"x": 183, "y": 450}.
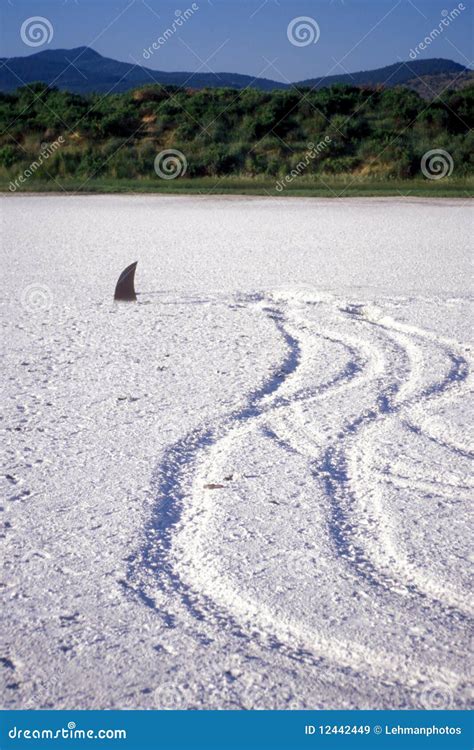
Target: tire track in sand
{"x": 154, "y": 565}
{"x": 349, "y": 655}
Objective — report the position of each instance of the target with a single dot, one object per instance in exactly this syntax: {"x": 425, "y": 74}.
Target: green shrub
{"x": 246, "y": 133}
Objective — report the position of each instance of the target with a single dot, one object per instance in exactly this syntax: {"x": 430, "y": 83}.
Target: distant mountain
{"x": 397, "y": 74}
{"x": 432, "y": 85}
{"x": 83, "y": 70}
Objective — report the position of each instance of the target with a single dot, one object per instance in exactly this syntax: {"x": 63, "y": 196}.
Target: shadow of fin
{"x": 125, "y": 289}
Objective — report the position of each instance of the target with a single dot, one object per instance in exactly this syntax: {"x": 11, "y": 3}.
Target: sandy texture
{"x": 250, "y": 489}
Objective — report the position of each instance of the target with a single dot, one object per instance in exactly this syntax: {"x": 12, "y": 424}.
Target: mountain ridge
{"x": 84, "y": 70}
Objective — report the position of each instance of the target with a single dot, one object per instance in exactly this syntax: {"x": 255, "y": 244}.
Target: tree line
{"x": 378, "y": 133}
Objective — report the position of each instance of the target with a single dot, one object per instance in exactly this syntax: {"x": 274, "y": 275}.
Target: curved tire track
{"x": 181, "y": 459}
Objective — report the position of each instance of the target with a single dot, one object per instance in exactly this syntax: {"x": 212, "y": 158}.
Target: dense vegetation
{"x": 373, "y": 134}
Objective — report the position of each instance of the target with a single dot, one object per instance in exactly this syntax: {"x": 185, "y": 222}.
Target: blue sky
{"x": 247, "y": 36}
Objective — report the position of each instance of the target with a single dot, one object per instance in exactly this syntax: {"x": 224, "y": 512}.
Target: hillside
{"x": 397, "y": 74}
{"x": 430, "y": 86}
{"x": 379, "y": 134}
{"x": 83, "y": 70}
{"x": 91, "y": 72}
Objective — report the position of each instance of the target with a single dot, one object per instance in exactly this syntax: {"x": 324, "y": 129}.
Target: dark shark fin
{"x": 125, "y": 289}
